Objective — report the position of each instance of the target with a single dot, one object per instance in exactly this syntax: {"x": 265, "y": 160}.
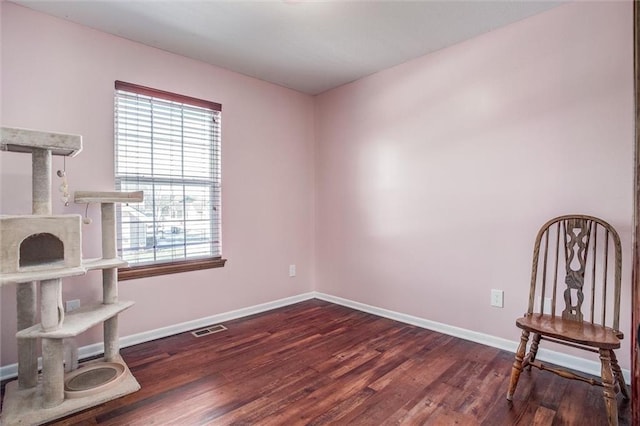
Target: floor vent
{"x": 209, "y": 330}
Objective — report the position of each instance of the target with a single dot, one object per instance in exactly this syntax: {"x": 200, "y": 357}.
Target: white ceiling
{"x": 310, "y": 46}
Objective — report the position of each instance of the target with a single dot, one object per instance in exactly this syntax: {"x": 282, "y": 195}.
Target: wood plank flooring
{"x": 317, "y": 363}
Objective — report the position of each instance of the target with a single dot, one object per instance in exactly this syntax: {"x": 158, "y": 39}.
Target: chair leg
{"x": 618, "y": 374}
{"x": 609, "y": 387}
{"x": 517, "y": 364}
{"x": 535, "y": 342}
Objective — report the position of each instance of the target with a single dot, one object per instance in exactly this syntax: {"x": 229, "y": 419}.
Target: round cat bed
{"x": 92, "y": 379}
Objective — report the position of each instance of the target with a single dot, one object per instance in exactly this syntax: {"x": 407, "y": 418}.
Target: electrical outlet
{"x": 292, "y": 270}
{"x": 71, "y": 305}
{"x": 497, "y": 298}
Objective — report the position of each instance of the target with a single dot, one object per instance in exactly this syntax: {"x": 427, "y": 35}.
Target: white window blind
{"x": 168, "y": 146}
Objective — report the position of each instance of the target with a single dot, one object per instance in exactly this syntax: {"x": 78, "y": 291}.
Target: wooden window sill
{"x": 134, "y": 272}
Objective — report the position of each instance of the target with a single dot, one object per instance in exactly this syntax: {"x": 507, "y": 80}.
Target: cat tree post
{"x": 41, "y": 169}
{"x": 109, "y": 279}
{"x": 27, "y": 292}
{"x": 51, "y": 310}
{"x": 52, "y": 372}
{"x": 26, "y": 295}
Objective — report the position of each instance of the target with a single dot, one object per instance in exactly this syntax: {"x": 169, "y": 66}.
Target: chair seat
{"x": 583, "y": 333}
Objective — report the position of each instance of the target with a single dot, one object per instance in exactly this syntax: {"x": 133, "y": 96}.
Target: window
{"x": 168, "y": 146}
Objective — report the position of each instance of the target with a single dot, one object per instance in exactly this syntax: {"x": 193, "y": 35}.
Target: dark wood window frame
{"x": 164, "y": 268}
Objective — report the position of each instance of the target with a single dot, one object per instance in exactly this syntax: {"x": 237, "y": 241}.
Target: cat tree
{"x": 41, "y": 250}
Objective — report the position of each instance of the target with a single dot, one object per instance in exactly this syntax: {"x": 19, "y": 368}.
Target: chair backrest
{"x": 576, "y": 272}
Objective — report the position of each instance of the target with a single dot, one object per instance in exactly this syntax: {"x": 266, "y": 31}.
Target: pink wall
{"x": 59, "y": 76}
{"x": 434, "y": 176}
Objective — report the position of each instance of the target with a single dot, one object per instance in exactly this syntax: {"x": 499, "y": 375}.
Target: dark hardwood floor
{"x": 319, "y": 363}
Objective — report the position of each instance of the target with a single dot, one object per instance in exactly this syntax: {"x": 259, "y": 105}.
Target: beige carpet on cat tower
{"x": 40, "y": 250}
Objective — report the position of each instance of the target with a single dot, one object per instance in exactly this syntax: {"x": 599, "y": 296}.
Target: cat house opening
{"x": 37, "y": 243}
{"x": 41, "y": 249}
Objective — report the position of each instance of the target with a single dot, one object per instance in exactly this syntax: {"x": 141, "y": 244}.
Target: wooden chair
{"x": 577, "y": 258}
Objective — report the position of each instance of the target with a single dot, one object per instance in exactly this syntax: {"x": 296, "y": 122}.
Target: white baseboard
{"x": 558, "y": 358}
{"x": 10, "y": 371}
{"x": 554, "y": 357}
